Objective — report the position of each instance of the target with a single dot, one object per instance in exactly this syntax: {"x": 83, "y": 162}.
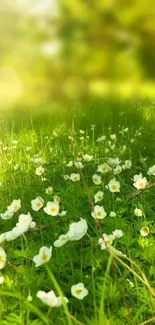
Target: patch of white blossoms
{"x": 22, "y": 226}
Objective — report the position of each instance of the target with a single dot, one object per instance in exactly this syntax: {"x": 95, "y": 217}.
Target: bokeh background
{"x": 75, "y": 49}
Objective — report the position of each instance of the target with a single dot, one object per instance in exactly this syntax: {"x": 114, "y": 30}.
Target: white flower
{"x": 50, "y": 299}
{"x": 113, "y": 147}
{"x": 112, "y": 214}
{"x": 102, "y": 138}
{"x": 82, "y": 132}
{"x": 78, "y": 159}
{"x": 44, "y": 179}
{"x": 14, "y": 141}
{"x": 114, "y": 186}
{"x": 71, "y": 138}
{"x": 28, "y": 148}
{"x": 12, "y": 234}
{"x": 151, "y": 170}
{"x": 29, "y": 298}
{"x": 75, "y": 177}
{"x": 43, "y": 257}
{"x": 56, "y": 199}
{"x": 144, "y": 231}
{"x": 138, "y": 212}
{"x": 16, "y": 167}
{"x": 136, "y": 177}
{"x": 79, "y": 291}
{"x": 113, "y": 136}
{"x": 78, "y": 164}
{"x": 118, "y": 233}
{"x": 66, "y": 177}
{"x": 99, "y": 212}
{"x": 127, "y": 164}
{"x": 2, "y": 237}
{"x": 98, "y": 196}
{"x": 32, "y": 225}
{"x": 93, "y": 126}
{"x": 12, "y": 147}
{"x": 63, "y": 239}
{"x": 37, "y": 203}
{"x": 5, "y": 148}
{"x": 104, "y": 168}
{"x": 140, "y": 183}
{"x": 106, "y": 241}
{"x": 70, "y": 164}
{"x": 2, "y": 280}
{"x": 49, "y": 190}
{"x": 106, "y": 150}
{"x": 87, "y": 157}
{"x": 2, "y": 258}
{"x": 23, "y": 224}
{"x": 117, "y": 169}
{"x": 114, "y": 161}
{"x": 124, "y": 148}
{"x": 40, "y": 170}
{"x": 14, "y": 206}
{"x": 51, "y": 208}
{"x": 96, "y": 179}
{"x": 115, "y": 251}
{"x": 77, "y": 230}
{"x": 63, "y": 213}
{"x": 6, "y": 215}
{"x": 37, "y": 160}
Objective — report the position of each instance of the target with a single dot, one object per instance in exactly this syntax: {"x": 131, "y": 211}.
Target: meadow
{"x": 77, "y": 193}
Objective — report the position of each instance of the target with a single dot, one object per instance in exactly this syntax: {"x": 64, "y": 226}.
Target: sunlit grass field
{"x": 77, "y": 204}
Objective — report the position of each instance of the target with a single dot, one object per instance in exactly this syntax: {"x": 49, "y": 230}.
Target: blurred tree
{"x": 59, "y": 47}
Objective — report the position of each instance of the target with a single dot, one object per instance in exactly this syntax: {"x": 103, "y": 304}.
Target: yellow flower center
{"x": 145, "y": 230}
{"x": 114, "y": 187}
{"x": 15, "y": 207}
{"x": 38, "y": 204}
{"x": 44, "y": 257}
{"x": 78, "y": 291}
{"x": 141, "y": 184}
{"x": 1, "y": 259}
{"x": 107, "y": 241}
{"x": 104, "y": 169}
{"x": 75, "y": 178}
{"x": 99, "y": 213}
{"x": 53, "y": 209}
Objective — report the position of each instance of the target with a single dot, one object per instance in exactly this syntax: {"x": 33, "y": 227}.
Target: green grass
{"x": 119, "y": 291}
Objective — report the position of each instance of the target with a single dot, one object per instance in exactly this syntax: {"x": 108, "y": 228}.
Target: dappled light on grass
{"x": 77, "y": 214}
